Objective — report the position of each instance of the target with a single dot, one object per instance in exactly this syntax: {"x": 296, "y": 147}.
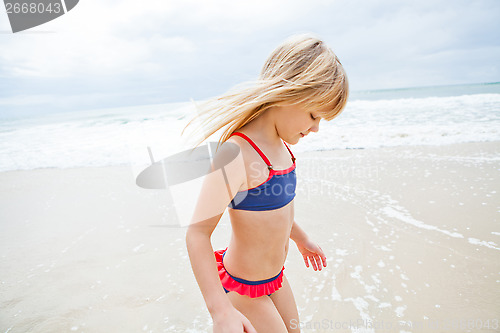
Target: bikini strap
{"x": 269, "y": 165}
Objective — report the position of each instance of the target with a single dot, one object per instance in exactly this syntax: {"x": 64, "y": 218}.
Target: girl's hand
{"x": 232, "y": 321}
{"x": 312, "y": 252}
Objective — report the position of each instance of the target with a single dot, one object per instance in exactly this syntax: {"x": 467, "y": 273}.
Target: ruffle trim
{"x": 249, "y": 290}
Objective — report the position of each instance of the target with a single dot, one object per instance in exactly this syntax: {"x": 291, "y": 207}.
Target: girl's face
{"x": 293, "y": 122}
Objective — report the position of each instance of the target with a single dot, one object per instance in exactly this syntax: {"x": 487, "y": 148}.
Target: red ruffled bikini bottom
{"x": 252, "y": 289}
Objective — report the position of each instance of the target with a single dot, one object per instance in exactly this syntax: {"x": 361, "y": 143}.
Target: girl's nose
{"x": 315, "y": 127}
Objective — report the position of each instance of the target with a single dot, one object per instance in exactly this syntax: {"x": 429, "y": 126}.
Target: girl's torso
{"x": 261, "y": 224}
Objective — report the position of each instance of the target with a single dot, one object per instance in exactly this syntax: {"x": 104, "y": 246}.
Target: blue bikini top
{"x": 276, "y": 192}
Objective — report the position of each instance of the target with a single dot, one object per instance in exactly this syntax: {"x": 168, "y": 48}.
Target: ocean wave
{"x": 118, "y": 136}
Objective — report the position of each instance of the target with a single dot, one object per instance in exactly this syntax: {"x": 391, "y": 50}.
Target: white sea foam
{"x": 336, "y": 295}
{"x": 362, "y": 306}
{"x": 401, "y": 215}
{"x": 341, "y": 252}
{"x": 491, "y": 245}
{"x": 137, "y": 248}
{"x": 400, "y": 310}
{"x": 384, "y": 305}
{"x": 121, "y": 136}
{"x": 357, "y": 275}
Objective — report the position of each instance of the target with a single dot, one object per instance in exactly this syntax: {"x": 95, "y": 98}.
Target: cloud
{"x": 96, "y": 48}
{"x": 161, "y": 51}
{"x": 389, "y": 44}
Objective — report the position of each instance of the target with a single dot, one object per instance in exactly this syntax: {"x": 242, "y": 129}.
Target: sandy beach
{"x": 411, "y": 234}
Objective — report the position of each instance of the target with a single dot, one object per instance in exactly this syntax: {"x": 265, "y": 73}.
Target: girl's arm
{"x": 311, "y": 252}
{"x": 217, "y": 191}
{"x": 204, "y": 266}
{"x": 297, "y": 234}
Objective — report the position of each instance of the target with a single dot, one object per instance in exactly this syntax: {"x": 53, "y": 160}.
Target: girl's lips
{"x": 302, "y": 135}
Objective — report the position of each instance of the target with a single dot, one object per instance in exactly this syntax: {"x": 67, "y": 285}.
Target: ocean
{"x": 380, "y": 118}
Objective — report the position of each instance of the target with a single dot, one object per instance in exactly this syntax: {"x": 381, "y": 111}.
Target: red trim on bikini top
{"x": 264, "y": 157}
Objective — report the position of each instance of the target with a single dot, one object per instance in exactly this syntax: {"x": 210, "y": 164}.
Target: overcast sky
{"x": 126, "y": 52}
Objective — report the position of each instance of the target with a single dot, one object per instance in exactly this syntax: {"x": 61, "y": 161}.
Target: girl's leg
{"x": 285, "y": 304}
{"x": 260, "y": 311}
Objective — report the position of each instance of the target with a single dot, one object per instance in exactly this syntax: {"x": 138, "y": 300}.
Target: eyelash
{"x": 312, "y": 117}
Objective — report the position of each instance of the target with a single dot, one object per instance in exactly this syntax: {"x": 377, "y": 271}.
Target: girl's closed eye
{"x": 312, "y": 117}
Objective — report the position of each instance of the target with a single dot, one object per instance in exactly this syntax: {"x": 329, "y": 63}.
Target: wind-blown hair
{"x": 302, "y": 70}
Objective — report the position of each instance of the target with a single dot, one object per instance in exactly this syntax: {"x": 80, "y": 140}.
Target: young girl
{"x": 244, "y": 286}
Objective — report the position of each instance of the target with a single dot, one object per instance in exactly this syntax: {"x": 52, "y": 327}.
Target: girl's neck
{"x": 263, "y": 129}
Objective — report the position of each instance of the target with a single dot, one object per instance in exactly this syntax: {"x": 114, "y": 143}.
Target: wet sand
{"x": 412, "y": 237}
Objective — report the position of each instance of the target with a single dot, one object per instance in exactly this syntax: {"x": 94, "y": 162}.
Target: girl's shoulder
{"x": 248, "y": 153}
{"x": 244, "y": 145}
{"x": 240, "y": 142}
{"x": 228, "y": 156}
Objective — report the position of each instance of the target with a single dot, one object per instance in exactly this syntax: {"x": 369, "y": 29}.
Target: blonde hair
{"x": 302, "y": 70}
